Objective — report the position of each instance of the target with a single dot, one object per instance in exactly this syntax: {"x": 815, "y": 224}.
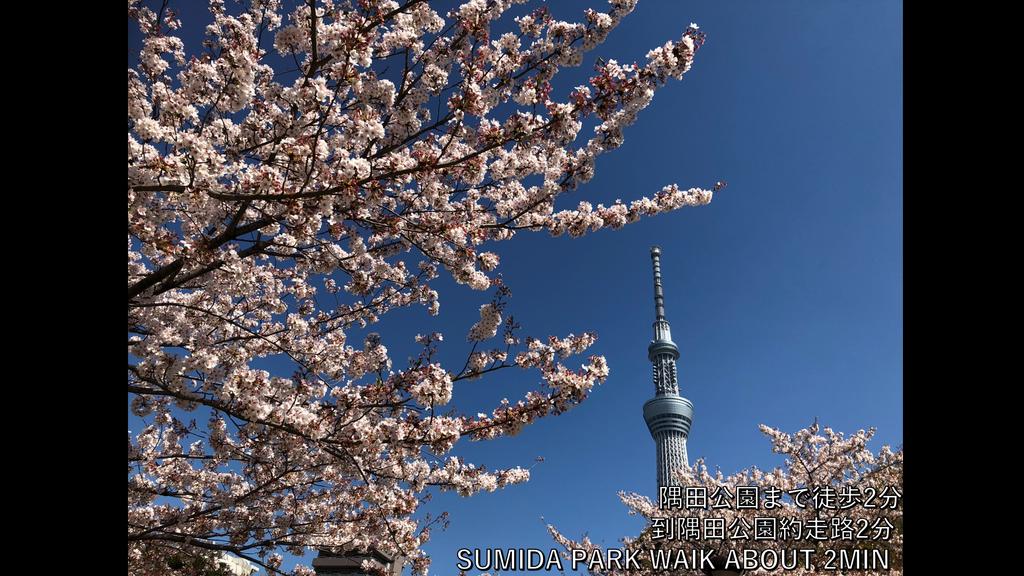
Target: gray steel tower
{"x": 668, "y": 415}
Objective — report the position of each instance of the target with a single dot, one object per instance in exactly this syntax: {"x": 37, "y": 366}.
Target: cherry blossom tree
{"x": 307, "y": 168}
{"x": 825, "y": 475}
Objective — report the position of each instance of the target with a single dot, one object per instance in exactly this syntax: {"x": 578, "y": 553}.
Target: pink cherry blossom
{"x": 306, "y": 169}
{"x": 814, "y": 460}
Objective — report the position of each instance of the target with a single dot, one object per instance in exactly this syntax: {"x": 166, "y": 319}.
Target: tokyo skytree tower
{"x": 668, "y": 415}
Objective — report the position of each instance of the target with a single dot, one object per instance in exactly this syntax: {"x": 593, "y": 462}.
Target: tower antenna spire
{"x": 659, "y": 297}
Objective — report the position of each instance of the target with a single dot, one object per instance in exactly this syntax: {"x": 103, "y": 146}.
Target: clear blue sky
{"x": 784, "y": 294}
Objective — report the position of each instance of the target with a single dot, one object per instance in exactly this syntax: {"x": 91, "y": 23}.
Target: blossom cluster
{"x": 308, "y": 168}
{"x": 818, "y": 463}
